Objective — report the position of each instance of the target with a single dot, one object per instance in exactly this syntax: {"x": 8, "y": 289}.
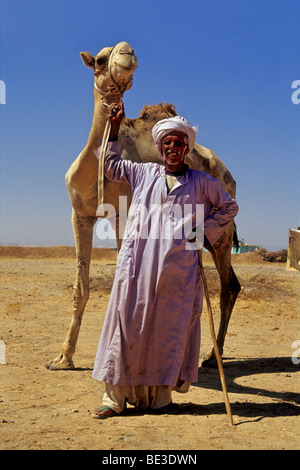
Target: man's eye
{"x": 177, "y": 143}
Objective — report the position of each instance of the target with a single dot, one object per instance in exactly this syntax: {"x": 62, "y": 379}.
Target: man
{"x": 150, "y": 340}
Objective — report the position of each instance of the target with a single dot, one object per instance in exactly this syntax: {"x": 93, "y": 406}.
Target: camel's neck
{"x": 100, "y": 117}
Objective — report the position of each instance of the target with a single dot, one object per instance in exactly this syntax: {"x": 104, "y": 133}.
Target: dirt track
{"x": 43, "y": 409}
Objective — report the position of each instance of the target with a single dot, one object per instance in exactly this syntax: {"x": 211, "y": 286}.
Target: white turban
{"x": 177, "y": 123}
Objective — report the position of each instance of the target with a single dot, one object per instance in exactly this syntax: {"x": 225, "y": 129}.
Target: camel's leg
{"x": 83, "y": 233}
{"x": 230, "y": 288}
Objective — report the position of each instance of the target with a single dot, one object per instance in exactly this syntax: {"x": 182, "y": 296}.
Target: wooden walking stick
{"x": 213, "y": 335}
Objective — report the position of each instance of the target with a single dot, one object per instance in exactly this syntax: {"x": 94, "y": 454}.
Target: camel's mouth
{"x": 130, "y": 68}
{"x": 128, "y": 64}
{"x": 124, "y": 57}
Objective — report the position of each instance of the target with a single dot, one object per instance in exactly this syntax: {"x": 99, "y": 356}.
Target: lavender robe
{"x": 151, "y": 332}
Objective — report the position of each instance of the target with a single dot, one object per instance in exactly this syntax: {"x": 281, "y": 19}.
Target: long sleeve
{"x": 224, "y": 209}
{"x": 116, "y": 169}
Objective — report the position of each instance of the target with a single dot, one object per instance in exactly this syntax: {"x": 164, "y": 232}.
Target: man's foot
{"x": 104, "y": 412}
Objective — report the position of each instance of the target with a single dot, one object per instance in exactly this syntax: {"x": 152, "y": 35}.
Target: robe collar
{"x": 181, "y": 182}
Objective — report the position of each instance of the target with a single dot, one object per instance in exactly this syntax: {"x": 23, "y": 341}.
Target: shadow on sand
{"x": 285, "y": 403}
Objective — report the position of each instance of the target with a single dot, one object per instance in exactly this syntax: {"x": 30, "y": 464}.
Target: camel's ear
{"x": 87, "y": 59}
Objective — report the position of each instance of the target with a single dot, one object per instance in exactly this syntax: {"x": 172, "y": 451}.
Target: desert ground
{"x": 43, "y": 409}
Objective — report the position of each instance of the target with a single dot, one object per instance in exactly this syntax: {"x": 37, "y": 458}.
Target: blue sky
{"x": 226, "y": 65}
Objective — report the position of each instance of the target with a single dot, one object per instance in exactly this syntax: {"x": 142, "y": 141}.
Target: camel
{"x": 113, "y": 69}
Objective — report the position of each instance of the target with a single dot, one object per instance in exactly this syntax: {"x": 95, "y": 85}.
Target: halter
{"x": 116, "y": 89}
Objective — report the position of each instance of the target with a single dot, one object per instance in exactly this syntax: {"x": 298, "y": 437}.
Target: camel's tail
{"x": 235, "y": 242}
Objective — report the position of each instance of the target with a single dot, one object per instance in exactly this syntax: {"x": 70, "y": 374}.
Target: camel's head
{"x": 113, "y": 67}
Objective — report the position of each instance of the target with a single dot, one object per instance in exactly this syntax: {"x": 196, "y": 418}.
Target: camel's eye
{"x": 101, "y": 60}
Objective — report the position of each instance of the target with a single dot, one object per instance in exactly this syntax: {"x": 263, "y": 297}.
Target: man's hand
{"x": 116, "y": 115}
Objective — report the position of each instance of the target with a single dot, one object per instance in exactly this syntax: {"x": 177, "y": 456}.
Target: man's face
{"x": 174, "y": 149}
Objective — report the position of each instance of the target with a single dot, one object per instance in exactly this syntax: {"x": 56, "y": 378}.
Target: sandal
{"x": 104, "y": 412}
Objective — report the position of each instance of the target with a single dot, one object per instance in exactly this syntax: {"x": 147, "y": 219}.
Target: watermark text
{"x": 2, "y": 352}
{"x": 2, "y": 92}
{"x": 296, "y": 353}
{"x": 296, "y": 94}
{"x": 180, "y": 223}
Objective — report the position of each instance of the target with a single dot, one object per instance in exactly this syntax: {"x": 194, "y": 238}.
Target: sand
{"x": 51, "y": 410}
